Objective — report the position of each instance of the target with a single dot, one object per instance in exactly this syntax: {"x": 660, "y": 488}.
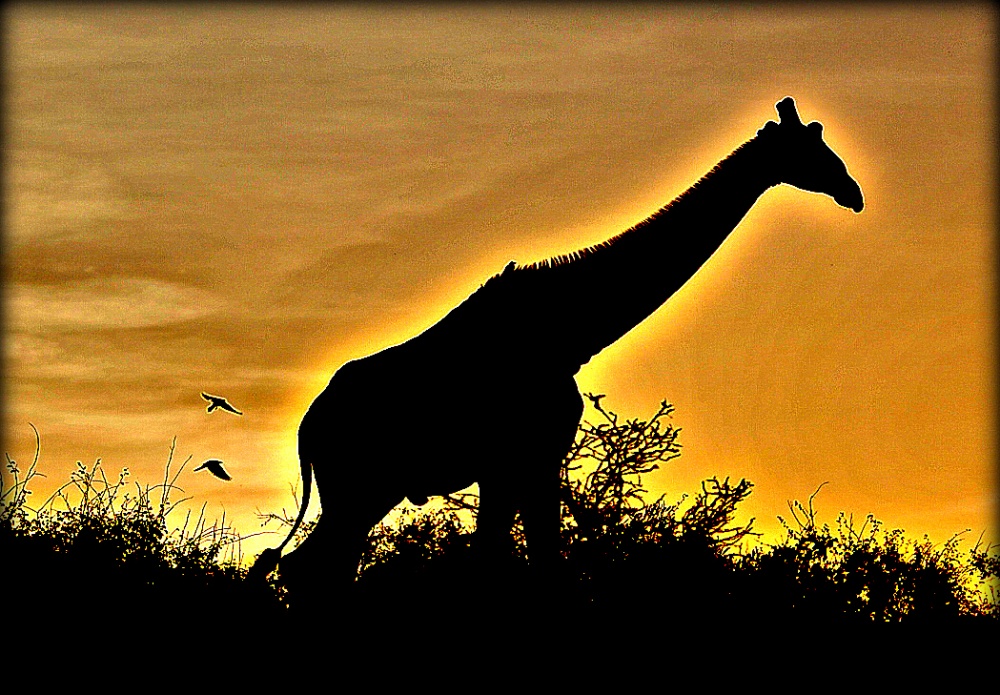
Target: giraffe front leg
{"x": 541, "y": 505}
{"x": 548, "y": 441}
{"x": 540, "y": 511}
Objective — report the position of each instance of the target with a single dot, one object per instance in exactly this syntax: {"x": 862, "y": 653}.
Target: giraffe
{"x": 427, "y": 417}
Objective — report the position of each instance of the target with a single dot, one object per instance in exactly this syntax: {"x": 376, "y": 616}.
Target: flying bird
{"x": 218, "y": 402}
{"x": 214, "y": 467}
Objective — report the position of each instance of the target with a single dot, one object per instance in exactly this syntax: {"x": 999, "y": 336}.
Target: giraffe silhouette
{"x": 487, "y": 395}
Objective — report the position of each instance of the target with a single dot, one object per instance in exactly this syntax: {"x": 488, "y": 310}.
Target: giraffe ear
{"x": 816, "y": 127}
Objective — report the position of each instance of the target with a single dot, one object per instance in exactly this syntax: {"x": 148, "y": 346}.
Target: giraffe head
{"x": 805, "y": 161}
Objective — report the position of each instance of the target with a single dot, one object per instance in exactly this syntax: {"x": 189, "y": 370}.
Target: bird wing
{"x": 214, "y": 466}
{"x": 225, "y": 406}
{"x": 220, "y": 472}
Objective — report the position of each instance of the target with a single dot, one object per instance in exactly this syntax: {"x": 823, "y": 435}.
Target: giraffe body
{"x": 488, "y": 395}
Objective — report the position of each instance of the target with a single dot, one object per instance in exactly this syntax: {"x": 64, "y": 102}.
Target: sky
{"x": 238, "y": 199}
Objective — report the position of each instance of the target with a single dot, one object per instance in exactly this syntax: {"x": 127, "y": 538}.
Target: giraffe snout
{"x": 851, "y": 198}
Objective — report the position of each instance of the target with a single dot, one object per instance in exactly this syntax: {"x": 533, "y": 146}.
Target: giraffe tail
{"x": 267, "y": 561}
{"x": 307, "y": 480}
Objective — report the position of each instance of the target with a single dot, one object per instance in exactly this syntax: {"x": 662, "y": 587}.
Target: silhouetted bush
{"x": 98, "y": 552}
{"x": 865, "y": 574}
{"x": 619, "y": 545}
{"x": 99, "y": 556}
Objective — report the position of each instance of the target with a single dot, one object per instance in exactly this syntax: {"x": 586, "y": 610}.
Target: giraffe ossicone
{"x": 487, "y": 395}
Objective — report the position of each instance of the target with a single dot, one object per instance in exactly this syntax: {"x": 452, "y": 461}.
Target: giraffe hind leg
{"x": 320, "y": 573}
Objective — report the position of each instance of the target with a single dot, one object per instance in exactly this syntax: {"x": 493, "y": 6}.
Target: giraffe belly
{"x": 433, "y": 426}
{"x": 520, "y": 426}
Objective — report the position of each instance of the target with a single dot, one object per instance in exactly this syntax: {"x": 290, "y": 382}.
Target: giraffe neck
{"x": 590, "y": 299}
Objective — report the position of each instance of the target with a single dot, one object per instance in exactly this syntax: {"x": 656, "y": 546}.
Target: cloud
{"x": 55, "y": 194}
{"x": 107, "y": 303}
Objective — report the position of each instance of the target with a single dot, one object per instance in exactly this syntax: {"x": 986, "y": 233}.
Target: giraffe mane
{"x": 580, "y": 254}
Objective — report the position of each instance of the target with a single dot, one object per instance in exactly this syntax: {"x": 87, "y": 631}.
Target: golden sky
{"x": 238, "y": 199}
